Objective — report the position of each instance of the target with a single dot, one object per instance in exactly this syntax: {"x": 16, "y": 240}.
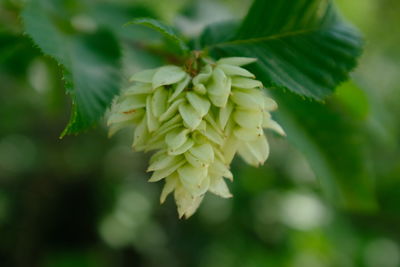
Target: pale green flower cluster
{"x": 196, "y": 125}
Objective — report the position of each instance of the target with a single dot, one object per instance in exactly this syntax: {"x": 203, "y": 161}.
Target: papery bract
{"x": 197, "y": 124}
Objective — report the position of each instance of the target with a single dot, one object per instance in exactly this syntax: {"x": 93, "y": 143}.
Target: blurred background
{"x": 84, "y": 200}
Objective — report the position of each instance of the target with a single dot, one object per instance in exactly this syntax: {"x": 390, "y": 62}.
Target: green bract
{"x": 196, "y": 125}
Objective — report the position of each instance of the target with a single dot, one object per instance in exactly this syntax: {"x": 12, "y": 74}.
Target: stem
{"x": 193, "y": 64}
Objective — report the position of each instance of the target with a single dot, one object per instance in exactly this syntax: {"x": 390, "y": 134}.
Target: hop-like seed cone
{"x": 196, "y": 125}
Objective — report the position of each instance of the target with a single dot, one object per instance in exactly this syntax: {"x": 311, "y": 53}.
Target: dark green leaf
{"x": 333, "y": 141}
{"x": 220, "y": 32}
{"x": 302, "y": 45}
{"x": 91, "y": 62}
{"x": 165, "y": 30}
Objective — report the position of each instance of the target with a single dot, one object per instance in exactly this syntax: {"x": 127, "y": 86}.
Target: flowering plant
{"x": 203, "y": 104}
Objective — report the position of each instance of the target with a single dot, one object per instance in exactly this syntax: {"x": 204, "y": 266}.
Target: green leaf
{"x": 333, "y": 141}
{"x": 220, "y": 32}
{"x": 91, "y": 61}
{"x": 302, "y": 45}
{"x": 165, "y": 30}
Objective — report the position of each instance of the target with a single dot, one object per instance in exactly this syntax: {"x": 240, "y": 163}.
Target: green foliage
{"x": 301, "y": 45}
{"x": 90, "y": 59}
{"x": 353, "y": 99}
{"x": 333, "y": 141}
{"x": 165, "y": 30}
